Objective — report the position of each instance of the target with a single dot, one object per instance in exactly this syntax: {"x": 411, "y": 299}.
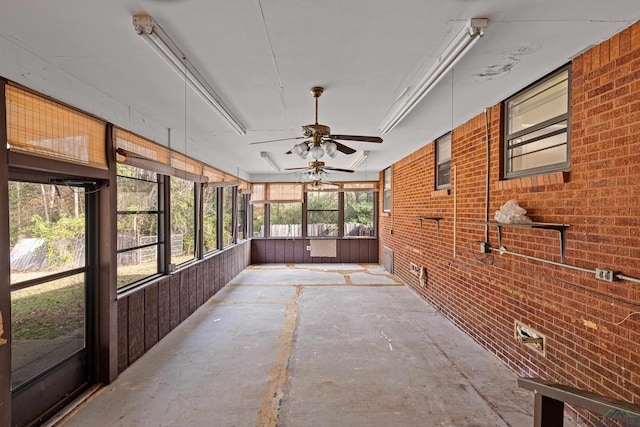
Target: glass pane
{"x": 322, "y": 214}
{"x": 241, "y": 217}
{"x": 285, "y": 219}
{"x": 138, "y": 264}
{"x": 322, "y": 201}
{"x": 136, "y": 230}
{"x": 444, "y": 149}
{"x": 541, "y": 153}
{"x": 359, "y": 214}
{"x": 210, "y": 219}
{"x": 386, "y": 200}
{"x": 135, "y": 192}
{"x": 322, "y": 224}
{"x": 562, "y": 126}
{"x": 545, "y": 101}
{"x": 227, "y": 221}
{"x": 47, "y": 326}
{"x": 444, "y": 175}
{"x": 47, "y": 229}
{"x": 182, "y": 220}
{"x": 258, "y": 220}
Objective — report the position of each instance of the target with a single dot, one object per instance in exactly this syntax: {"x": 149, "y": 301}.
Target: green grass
{"x": 48, "y": 311}
{"x": 57, "y": 308}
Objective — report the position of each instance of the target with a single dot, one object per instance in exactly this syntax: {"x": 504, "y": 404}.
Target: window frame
{"x": 242, "y": 202}
{"x": 161, "y": 237}
{"x": 196, "y": 227}
{"x": 233, "y": 190}
{"x": 267, "y": 221}
{"x": 438, "y": 162}
{"x": 387, "y": 175}
{"x": 339, "y": 210}
{"x": 549, "y": 168}
{"x": 216, "y": 197}
{"x": 374, "y": 202}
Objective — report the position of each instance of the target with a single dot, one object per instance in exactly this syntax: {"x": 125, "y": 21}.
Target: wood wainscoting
{"x": 291, "y": 251}
{"x": 148, "y": 313}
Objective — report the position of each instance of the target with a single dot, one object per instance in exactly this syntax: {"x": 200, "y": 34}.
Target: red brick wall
{"x": 599, "y": 198}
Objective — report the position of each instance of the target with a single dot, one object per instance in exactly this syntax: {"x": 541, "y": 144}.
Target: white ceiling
{"x": 263, "y": 56}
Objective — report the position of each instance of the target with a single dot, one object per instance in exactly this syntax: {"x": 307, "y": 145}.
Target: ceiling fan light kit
{"x": 414, "y": 93}
{"x": 166, "y": 49}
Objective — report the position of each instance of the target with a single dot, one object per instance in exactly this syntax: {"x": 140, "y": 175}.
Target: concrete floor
{"x": 313, "y": 345}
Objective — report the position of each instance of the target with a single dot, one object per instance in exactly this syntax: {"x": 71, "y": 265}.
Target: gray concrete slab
{"x": 313, "y": 346}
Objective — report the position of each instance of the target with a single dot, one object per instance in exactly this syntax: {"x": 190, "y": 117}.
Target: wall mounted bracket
{"x": 430, "y": 218}
{"x": 560, "y": 228}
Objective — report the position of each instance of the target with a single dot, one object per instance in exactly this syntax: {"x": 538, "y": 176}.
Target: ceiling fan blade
{"x": 337, "y": 169}
{"x": 343, "y": 148}
{"x": 357, "y": 138}
{"x": 277, "y": 140}
{"x": 299, "y": 169}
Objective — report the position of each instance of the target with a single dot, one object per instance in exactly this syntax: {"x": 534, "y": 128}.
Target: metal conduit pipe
{"x": 559, "y": 264}
{"x": 488, "y": 180}
{"x": 631, "y": 279}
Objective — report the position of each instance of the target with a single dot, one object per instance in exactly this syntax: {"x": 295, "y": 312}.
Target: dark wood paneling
{"x": 299, "y": 249}
{"x": 192, "y": 275}
{"x": 150, "y": 316}
{"x": 136, "y": 326}
{"x": 216, "y": 273}
{"x": 374, "y": 252}
{"x": 184, "y": 295}
{"x": 123, "y": 334}
{"x": 204, "y": 272}
{"x": 287, "y": 251}
{"x": 269, "y": 251}
{"x": 307, "y": 254}
{"x": 279, "y": 255}
{"x": 343, "y": 249}
{"x": 174, "y": 290}
{"x": 258, "y": 250}
{"x": 164, "y": 307}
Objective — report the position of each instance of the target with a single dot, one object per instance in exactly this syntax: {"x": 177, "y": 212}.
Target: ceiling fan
{"x": 317, "y": 171}
{"x": 320, "y": 140}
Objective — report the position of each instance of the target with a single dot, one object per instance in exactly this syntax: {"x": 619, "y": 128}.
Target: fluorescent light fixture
{"x": 359, "y": 160}
{"x": 164, "y": 47}
{"x": 412, "y": 95}
{"x": 269, "y": 160}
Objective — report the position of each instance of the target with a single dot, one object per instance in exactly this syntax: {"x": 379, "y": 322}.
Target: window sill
{"x": 534, "y": 181}
{"x": 441, "y": 193}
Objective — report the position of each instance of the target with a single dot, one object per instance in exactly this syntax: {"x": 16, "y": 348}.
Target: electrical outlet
{"x": 414, "y": 269}
{"x": 603, "y": 274}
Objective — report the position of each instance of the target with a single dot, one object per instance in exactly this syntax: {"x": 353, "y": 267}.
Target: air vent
{"x": 387, "y": 262}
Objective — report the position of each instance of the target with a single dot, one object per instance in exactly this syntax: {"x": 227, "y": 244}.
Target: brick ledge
{"x": 534, "y": 181}
{"x": 440, "y": 193}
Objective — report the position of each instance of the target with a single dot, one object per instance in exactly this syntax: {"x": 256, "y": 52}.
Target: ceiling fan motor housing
{"x": 316, "y": 130}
